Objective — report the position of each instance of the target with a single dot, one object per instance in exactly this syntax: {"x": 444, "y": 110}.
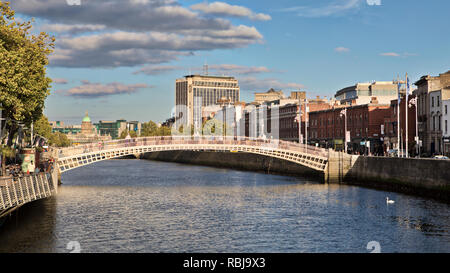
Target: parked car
{"x": 392, "y": 153}
{"x": 440, "y": 157}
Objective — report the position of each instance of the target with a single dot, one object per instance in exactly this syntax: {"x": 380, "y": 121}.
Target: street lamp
{"x": 299, "y": 120}
{"x": 411, "y": 103}
{"x": 344, "y": 113}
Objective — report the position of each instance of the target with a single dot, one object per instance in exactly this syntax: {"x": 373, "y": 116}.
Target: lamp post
{"x": 299, "y": 119}
{"x": 306, "y": 124}
{"x": 344, "y": 113}
{"x": 411, "y": 103}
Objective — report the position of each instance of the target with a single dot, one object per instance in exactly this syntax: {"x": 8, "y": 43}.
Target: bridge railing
{"x": 189, "y": 140}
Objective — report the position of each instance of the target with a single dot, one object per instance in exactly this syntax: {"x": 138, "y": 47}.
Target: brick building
{"x": 364, "y": 122}
{"x": 390, "y": 126}
{"x": 288, "y": 118}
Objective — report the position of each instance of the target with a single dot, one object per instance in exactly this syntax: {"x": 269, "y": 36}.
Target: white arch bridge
{"x": 308, "y": 156}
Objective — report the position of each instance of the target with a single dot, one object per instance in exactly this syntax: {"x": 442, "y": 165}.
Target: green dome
{"x": 86, "y": 118}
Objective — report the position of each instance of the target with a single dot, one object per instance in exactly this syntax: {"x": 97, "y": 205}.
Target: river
{"x": 148, "y": 206}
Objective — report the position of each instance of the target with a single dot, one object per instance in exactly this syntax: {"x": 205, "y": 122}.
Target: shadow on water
{"x": 19, "y": 232}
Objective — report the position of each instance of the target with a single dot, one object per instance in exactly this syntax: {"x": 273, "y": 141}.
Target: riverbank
{"x": 237, "y": 161}
{"x": 426, "y": 178}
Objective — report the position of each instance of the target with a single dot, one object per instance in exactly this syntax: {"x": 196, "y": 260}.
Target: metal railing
{"x": 189, "y": 140}
{"x": 16, "y": 191}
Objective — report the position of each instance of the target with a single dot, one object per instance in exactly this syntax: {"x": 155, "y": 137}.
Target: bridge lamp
{"x": 344, "y": 114}
{"x": 412, "y": 103}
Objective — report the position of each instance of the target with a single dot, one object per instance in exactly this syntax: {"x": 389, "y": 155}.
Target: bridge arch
{"x": 74, "y": 157}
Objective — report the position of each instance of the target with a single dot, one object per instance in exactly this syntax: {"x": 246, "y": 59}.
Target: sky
{"x": 119, "y": 59}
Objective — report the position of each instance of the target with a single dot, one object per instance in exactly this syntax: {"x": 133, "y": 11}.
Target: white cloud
{"x": 60, "y": 81}
{"x": 224, "y": 9}
{"x": 342, "y": 49}
{"x": 390, "y": 54}
{"x": 256, "y": 84}
{"x": 127, "y": 15}
{"x": 394, "y": 54}
{"x": 132, "y": 32}
{"x": 96, "y": 90}
{"x": 72, "y": 29}
{"x": 335, "y": 7}
{"x": 232, "y": 69}
{"x": 220, "y": 69}
{"x": 132, "y": 48}
{"x": 157, "y": 69}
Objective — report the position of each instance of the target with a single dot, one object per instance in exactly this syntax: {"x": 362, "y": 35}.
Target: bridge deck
{"x": 73, "y": 157}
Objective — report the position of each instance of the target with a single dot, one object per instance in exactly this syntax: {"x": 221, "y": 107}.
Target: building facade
{"x": 80, "y": 134}
{"x": 435, "y": 122}
{"x": 196, "y": 91}
{"x": 364, "y": 122}
{"x": 362, "y": 93}
{"x": 390, "y": 130}
{"x": 270, "y": 95}
{"x": 430, "y": 91}
{"x": 115, "y": 128}
{"x": 446, "y": 124}
{"x": 58, "y": 126}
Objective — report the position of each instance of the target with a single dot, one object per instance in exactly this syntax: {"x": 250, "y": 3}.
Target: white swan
{"x": 389, "y": 201}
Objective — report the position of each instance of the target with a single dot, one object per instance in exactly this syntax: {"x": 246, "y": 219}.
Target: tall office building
{"x": 196, "y": 91}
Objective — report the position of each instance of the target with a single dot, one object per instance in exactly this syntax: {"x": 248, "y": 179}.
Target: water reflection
{"x": 145, "y": 206}
{"x": 31, "y": 228}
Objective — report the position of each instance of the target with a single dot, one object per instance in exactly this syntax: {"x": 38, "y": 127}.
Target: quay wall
{"x": 427, "y": 177}
{"x": 239, "y": 161}
{"x": 422, "y": 177}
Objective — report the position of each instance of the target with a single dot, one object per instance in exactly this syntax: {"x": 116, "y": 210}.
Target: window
{"x": 446, "y": 109}
{"x": 432, "y": 101}
{"x": 437, "y": 101}
{"x": 446, "y": 127}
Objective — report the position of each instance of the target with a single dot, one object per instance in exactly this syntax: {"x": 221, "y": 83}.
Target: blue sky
{"x": 119, "y": 59}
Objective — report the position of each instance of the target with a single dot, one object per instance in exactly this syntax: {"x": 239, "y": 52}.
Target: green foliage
{"x": 7, "y": 152}
{"x": 217, "y": 128}
{"x": 42, "y": 127}
{"x": 124, "y": 134}
{"x": 24, "y": 85}
{"x": 151, "y": 129}
{"x": 59, "y": 139}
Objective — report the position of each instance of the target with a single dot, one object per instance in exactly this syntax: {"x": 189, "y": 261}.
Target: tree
{"x": 124, "y": 134}
{"x": 6, "y": 152}
{"x": 24, "y": 85}
{"x": 164, "y": 131}
{"x": 59, "y": 139}
{"x": 149, "y": 129}
{"x": 42, "y": 127}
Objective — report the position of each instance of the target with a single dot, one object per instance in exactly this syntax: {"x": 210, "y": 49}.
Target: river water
{"x": 147, "y": 206}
